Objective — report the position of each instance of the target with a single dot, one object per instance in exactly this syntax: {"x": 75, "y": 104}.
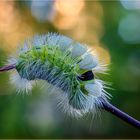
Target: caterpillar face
{"x": 64, "y": 63}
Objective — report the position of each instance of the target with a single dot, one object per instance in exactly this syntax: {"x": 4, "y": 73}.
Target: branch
{"x": 120, "y": 114}
{"x": 8, "y": 67}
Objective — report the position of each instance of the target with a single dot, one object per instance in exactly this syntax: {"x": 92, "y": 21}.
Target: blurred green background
{"x": 111, "y": 28}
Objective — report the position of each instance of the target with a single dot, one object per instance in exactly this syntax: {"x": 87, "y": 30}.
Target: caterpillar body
{"x": 65, "y": 64}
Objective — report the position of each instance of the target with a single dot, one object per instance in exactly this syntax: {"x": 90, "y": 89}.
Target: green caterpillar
{"x": 65, "y": 64}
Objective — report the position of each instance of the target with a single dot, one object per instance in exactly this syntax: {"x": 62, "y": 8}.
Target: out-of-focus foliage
{"x": 111, "y": 28}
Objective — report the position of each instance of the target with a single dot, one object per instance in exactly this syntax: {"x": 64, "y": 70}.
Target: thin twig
{"x": 120, "y": 114}
{"x": 7, "y": 68}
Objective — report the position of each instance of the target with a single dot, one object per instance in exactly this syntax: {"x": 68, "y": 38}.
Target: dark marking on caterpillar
{"x": 86, "y": 76}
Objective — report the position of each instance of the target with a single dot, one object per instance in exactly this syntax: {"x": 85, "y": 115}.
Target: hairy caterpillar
{"x": 64, "y": 63}
{"x": 68, "y": 66}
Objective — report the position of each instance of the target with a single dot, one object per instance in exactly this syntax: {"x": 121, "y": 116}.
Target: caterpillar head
{"x": 65, "y": 64}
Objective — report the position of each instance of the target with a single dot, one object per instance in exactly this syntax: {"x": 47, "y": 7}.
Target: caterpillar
{"x": 64, "y": 63}
{"x": 70, "y": 68}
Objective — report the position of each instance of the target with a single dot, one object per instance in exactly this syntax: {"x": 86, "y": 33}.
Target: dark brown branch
{"x": 7, "y": 68}
{"x": 120, "y": 114}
